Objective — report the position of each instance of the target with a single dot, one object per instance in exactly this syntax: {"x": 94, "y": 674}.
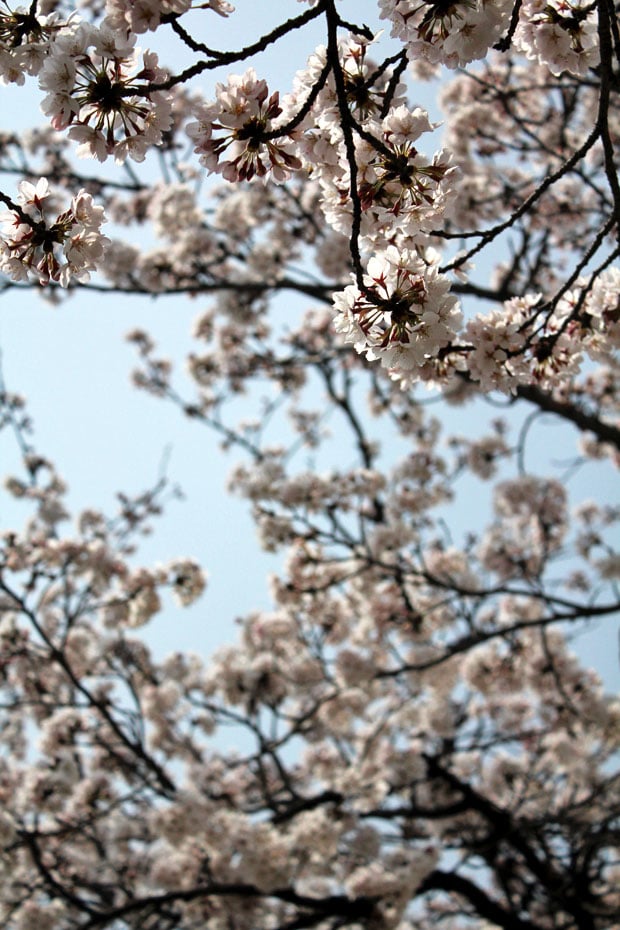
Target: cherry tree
{"x": 417, "y": 742}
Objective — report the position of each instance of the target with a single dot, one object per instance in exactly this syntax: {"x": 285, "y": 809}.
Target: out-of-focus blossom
{"x": 37, "y": 240}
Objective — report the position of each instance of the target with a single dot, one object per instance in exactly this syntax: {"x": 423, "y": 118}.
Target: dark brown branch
{"x": 504, "y": 43}
{"x": 483, "y": 905}
{"x": 227, "y": 58}
{"x": 549, "y": 180}
{"x": 333, "y": 905}
{"x": 349, "y": 144}
{"x": 605, "y": 14}
{"x": 587, "y": 422}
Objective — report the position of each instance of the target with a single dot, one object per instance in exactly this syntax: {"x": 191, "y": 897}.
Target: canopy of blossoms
{"x": 417, "y": 742}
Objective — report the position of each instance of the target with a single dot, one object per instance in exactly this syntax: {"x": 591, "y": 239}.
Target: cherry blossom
{"x": 24, "y": 40}
{"x": 245, "y": 114}
{"x": 96, "y": 94}
{"x": 561, "y": 34}
{"x": 451, "y": 33}
{"x": 68, "y": 247}
{"x": 404, "y": 316}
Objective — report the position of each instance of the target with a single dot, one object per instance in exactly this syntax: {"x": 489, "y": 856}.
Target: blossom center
{"x": 399, "y": 308}
{"x": 105, "y": 94}
{"x": 17, "y": 27}
{"x": 252, "y": 131}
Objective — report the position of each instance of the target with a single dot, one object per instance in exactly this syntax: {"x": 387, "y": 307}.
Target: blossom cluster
{"x": 146, "y": 15}
{"x": 97, "y": 84}
{"x": 51, "y": 246}
{"x": 560, "y": 33}
{"x": 512, "y": 346}
{"x": 563, "y": 34}
{"x": 453, "y": 34}
{"x": 404, "y": 315}
{"x": 232, "y": 135}
{"x": 24, "y": 42}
